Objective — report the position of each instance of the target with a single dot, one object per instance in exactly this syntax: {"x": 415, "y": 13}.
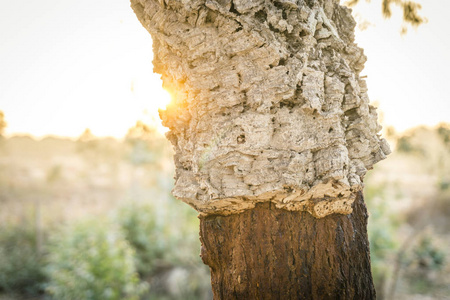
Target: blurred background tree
{"x": 410, "y": 9}
{"x": 3, "y": 123}
{"x": 142, "y": 138}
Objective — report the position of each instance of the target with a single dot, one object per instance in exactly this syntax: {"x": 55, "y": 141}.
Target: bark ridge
{"x": 268, "y": 104}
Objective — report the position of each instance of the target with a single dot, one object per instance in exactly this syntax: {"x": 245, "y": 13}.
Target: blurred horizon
{"x": 160, "y": 130}
{"x": 60, "y": 198}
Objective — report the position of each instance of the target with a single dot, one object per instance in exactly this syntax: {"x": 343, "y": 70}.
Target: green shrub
{"x": 382, "y": 228}
{"x": 444, "y": 132}
{"x": 162, "y": 236}
{"x": 427, "y": 256}
{"x": 183, "y": 225}
{"x": 145, "y": 234}
{"x": 405, "y": 144}
{"x": 424, "y": 263}
{"x": 92, "y": 260}
{"x": 21, "y": 268}
{"x": 165, "y": 238}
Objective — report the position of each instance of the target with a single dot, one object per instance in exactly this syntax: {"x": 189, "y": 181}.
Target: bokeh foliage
{"x": 92, "y": 260}
{"x": 86, "y": 219}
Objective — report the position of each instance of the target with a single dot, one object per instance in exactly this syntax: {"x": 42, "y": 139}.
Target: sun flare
{"x": 163, "y": 100}
{"x": 54, "y": 91}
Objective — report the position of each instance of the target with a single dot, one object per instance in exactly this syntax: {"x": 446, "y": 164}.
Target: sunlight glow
{"x": 85, "y": 71}
{"x": 93, "y": 70}
{"x": 164, "y": 99}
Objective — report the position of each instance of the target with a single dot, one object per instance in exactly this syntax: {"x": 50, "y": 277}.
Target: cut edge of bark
{"x": 317, "y": 207}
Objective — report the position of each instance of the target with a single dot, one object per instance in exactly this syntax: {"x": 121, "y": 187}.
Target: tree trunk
{"x": 273, "y": 134}
{"x": 270, "y": 253}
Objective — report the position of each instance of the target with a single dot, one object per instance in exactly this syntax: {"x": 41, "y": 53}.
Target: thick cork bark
{"x": 268, "y": 104}
{"x": 271, "y": 253}
{"x": 273, "y": 135}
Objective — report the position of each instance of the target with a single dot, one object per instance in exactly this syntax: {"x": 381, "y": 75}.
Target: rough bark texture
{"x": 268, "y": 103}
{"x": 273, "y": 134}
{"x": 269, "y": 253}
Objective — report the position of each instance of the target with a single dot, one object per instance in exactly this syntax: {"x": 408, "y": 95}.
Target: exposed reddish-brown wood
{"x": 270, "y": 253}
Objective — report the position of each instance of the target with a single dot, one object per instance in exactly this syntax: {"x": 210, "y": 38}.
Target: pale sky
{"x": 408, "y": 76}
{"x": 67, "y": 65}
